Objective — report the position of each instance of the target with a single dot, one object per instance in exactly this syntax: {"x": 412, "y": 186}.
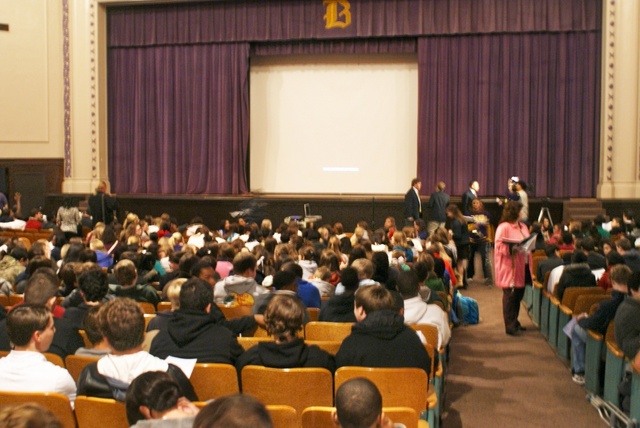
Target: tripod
{"x": 545, "y": 211}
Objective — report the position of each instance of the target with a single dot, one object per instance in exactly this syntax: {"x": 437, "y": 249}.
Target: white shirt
{"x": 554, "y": 277}
{"x": 417, "y": 311}
{"x": 28, "y": 371}
{"x": 125, "y": 368}
{"x": 419, "y": 201}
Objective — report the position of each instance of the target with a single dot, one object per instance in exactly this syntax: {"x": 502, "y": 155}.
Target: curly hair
{"x": 283, "y": 317}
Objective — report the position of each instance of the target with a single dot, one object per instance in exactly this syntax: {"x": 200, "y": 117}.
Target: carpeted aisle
{"x": 497, "y": 380}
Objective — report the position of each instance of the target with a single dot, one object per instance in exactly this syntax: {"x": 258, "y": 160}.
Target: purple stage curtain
{"x": 179, "y": 119}
{"x": 272, "y": 20}
{"x": 342, "y": 47}
{"x": 493, "y": 106}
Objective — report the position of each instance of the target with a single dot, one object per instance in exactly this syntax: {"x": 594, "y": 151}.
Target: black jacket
{"x": 383, "y": 340}
{"x": 627, "y": 327}
{"x": 338, "y": 308}
{"x": 600, "y": 320}
{"x": 286, "y": 355}
{"x": 91, "y": 383}
{"x": 191, "y": 334}
{"x": 575, "y": 275}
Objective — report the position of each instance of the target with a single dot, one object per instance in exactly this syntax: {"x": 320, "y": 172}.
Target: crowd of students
{"x": 376, "y": 279}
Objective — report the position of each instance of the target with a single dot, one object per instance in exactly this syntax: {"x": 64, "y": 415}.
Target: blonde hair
{"x": 173, "y": 292}
{"x": 96, "y": 245}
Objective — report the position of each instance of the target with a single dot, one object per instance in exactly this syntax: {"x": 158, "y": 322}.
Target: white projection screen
{"x": 336, "y": 125}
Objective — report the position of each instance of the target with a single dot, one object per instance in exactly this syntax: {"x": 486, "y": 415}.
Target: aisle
{"x": 497, "y": 380}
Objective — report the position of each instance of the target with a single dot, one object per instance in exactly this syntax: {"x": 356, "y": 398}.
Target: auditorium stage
{"x": 348, "y": 209}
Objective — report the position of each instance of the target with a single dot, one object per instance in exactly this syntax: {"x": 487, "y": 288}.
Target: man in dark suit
{"x": 412, "y": 203}
{"x": 469, "y": 196}
{"x": 437, "y": 204}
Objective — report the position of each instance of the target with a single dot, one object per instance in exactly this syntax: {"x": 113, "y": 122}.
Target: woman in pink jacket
{"x": 510, "y": 265}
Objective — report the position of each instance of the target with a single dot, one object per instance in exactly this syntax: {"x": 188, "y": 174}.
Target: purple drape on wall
{"x": 266, "y": 20}
{"x": 493, "y": 106}
{"x": 178, "y": 119}
{"x": 520, "y": 95}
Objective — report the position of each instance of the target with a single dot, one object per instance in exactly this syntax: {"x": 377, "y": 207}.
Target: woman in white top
{"x": 68, "y": 218}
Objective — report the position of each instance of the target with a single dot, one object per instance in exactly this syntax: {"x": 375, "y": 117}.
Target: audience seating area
{"x": 604, "y": 361}
{"x": 300, "y": 397}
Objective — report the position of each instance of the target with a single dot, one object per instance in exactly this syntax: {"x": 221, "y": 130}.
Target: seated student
{"x": 417, "y": 311}
{"x": 307, "y": 261}
{"x": 42, "y": 290}
{"x": 27, "y": 415}
{"x": 91, "y": 327}
{"x": 630, "y": 255}
{"x": 599, "y": 321}
{"x": 94, "y": 286}
{"x": 627, "y": 319}
{"x": 122, "y": 324}
{"x": 127, "y": 277}
{"x": 103, "y": 258}
{"x": 25, "y": 369}
{"x": 380, "y": 338}
{"x": 320, "y": 280}
{"x": 234, "y": 411}
{"x": 153, "y": 398}
{"x": 577, "y": 274}
{"x": 284, "y": 319}
{"x": 13, "y": 264}
{"x": 552, "y": 261}
{"x": 193, "y": 333}
{"x": 309, "y": 294}
{"x": 241, "y": 287}
{"x": 172, "y": 290}
{"x": 595, "y": 260}
{"x": 339, "y": 308}
{"x": 556, "y": 272}
{"x": 359, "y": 405}
{"x": 613, "y": 259}
{"x": 284, "y": 283}
{"x": 365, "y": 270}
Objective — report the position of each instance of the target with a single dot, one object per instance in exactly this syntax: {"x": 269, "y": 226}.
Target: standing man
{"x": 412, "y": 203}
{"x": 437, "y": 204}
{"x": 102, "y": 205}
{"x": 469, "y": 196}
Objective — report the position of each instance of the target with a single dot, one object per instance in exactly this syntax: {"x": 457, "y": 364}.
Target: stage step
{"x": 581, "y": 209}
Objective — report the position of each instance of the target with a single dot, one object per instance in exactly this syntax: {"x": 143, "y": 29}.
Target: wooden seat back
{"x": 313, "y": 313}
{"x": 414, "y": 381}
{"x": 106, "y": 412}
{"x": 237, "y": 311}
{"x": 75, "y": 364}
{"x": 334, "y": 331}
{"x": 298, "y": 387}
{"x": 147, "y": 307}
{"x": 56, "y": 403}
{"x": 429, "y": 331}
{"x": 212, "y": 380}
{"x": 321, "y": 416}
{"x": 283, "y": 416}
{"x": 571, "y": 295}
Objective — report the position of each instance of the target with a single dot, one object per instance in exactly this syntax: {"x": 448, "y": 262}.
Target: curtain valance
{"x": 285, "y": 20}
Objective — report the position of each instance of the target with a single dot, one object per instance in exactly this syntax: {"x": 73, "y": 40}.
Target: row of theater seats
{"x": 604, "y": 361}
{"x": 27, "y": 236}
{"x": 305, "y": 393}
{"x": 112, "y": 414}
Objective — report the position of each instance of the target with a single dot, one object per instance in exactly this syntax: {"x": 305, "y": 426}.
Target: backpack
{"x": 467, "y": 309}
